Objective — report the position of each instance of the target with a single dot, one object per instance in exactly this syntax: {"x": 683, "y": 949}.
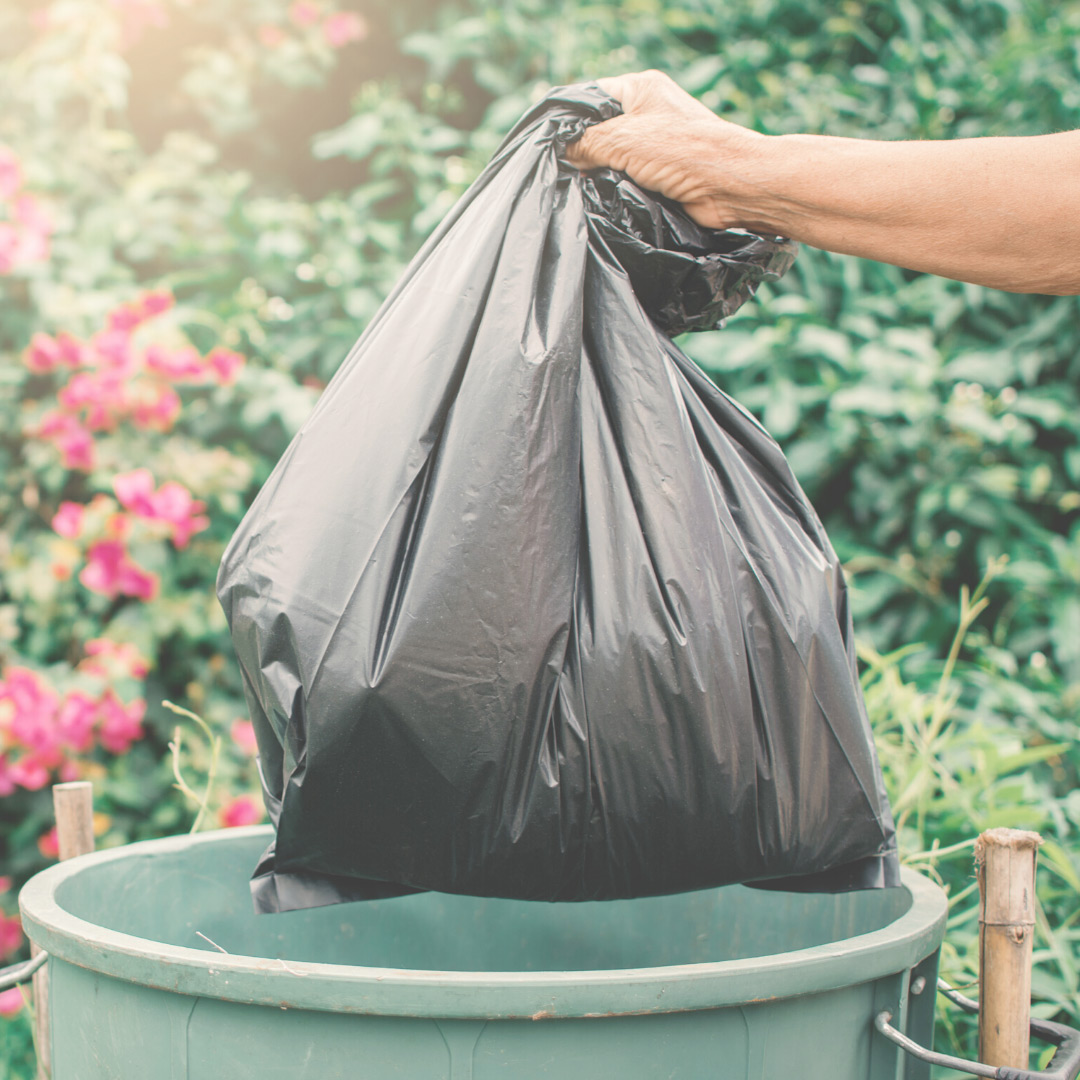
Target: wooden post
{"x": 73, "y": 805}
{"x": 1005, "y": 863}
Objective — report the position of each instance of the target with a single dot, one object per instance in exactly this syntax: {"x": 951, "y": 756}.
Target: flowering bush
{"x": 45, "y": 735}
{"x": 91, "y": 396}
{"x": 113, "y": 378}
{"x": 24, "y": 227}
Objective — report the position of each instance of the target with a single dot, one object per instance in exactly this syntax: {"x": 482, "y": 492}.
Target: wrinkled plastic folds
{"x": 529, "y": 608}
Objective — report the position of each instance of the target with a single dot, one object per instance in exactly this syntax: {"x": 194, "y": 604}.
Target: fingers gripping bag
{"x": 529, "y": 608}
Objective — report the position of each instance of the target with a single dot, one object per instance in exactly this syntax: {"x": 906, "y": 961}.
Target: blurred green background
{"x": 202, "y": 203}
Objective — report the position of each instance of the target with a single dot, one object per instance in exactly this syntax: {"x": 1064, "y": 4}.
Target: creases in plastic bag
{"x": 686, "y": 277}
{"x": 529, "y": 608}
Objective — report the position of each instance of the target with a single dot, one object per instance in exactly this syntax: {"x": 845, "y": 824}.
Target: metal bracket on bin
{"x": 21, "y": 973}
{"x": 1065, "y": 1064}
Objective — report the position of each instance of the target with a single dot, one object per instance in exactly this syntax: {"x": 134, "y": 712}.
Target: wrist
{"x": 747, "y": 189}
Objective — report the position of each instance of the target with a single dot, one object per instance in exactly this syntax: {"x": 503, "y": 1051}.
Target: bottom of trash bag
{"x": 873, "y": 872}
{"x": 275, "y": 891}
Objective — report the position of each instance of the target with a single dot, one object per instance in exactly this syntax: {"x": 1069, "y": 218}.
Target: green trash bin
{"x": 159, "y": 968}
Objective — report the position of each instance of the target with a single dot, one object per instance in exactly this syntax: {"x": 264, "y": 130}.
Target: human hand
{"x": 668, "y": 142}
{"x": 952, "y": 207}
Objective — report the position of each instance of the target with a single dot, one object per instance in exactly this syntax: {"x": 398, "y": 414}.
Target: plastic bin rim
{"x": 537, "y": 995}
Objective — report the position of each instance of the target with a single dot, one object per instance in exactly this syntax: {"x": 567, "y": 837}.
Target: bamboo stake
{"x": 1005, "y": 863}
{"x": 73, "y": 805}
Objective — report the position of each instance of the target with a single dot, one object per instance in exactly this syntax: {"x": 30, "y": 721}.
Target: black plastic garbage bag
{"x": 529, "y": 608}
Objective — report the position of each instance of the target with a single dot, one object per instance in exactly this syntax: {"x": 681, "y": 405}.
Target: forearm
{"x": 1003, "y": 212}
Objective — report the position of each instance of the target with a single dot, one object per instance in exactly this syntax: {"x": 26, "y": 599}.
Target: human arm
{"x": 996, "y": 211}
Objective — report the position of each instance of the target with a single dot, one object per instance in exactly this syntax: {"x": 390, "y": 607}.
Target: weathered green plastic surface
{"x": 722, "y": 983}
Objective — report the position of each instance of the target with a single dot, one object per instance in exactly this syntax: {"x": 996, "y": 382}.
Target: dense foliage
{"x": 201, "y": 205}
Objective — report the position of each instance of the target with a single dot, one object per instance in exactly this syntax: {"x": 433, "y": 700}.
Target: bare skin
{"x": 1002, "y": 212}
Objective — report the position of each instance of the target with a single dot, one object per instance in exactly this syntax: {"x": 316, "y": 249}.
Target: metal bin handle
{"x": 21, "y": 973}
{"x": 1065, "y": 1064}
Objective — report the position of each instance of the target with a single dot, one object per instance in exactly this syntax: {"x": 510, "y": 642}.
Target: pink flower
{"x": 32, "y": 707}
{"x": 186, "y": 365}
{"x": 304, "y": 13}
{"x": 109, "y": 570}
{"x": 72, "y": 351}
{"x": 155, "y": 302}
{"x": 42, "y": 732}
{"x": 74, "y": 442}
{"x": 226, "y": 364}
{"x": 270, "y": 36}
{"x": 9, "y": 247}
{"x": 243, "y": 810}
{"x": 11, "y": 1001}
{"x": 49, "y": 844}
{"x": 34, "y": 726}
{"x": 171, "y": 503}
{"x": 75, "y": 721}
{"x": 68, "y": 520}
{"x": 10, "y": 173}
{"x": 45, "y": 354}
{"x": 344, "y": 26}
{"x": 243, "y": 734}
{"x": 99, "y": 395}
{"x": 29, "y": 772}
{"x": 153, "y": 407}
{"x": 10, "y": 935}
{"x": 5, "y": 883}
{"x": 83, "y": 391}
{"x": 102, "y": 571}
{"x": 25, "y": 689}
{"x": 121, "y": 724}
{"x": 112, "y": 350}
{"x": 76, "y": 447}
{"x": 123, "y": 319}
{"x": 115, "y": 382}
{"x": 145, "y": 306}
{"x": 135, "y": 490}
{"x": 25, "y": 239}
{"x": 108, "y": 658}
{"x": 182, "y": 363}
{"x": 137, "y": 582}
{"x": 175, "y": 505}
